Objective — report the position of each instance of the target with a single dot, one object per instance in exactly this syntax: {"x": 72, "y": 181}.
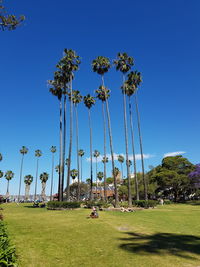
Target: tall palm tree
{"x": 44, "y": 177}
{"x": 53, "y": 150}
{"x": 134, "y": 80}
{"x": 8, "y": 175}
{"x": 1, "y": 157}
{"x": 102, "y": 94}
{"x": 56, "y": 90}
{"x": 129, "y": 91}
{"x": 101, "y": 65}
{"x": 76, "y": 99}
{"x": 89, "y": 101}
{"x": 124, "y": 63}
{"x": 38, "y": 154}
{"x": 68, "y": 65}
{"x": 96, "y": 154}
{"x": 81, "y": 153}
{"x": 121, "y": 161}
{"x": 28, "y": 179}
{"x": 105, "y": 160}
{"x": 100, "y": 176}
{"x": 23, "y": 151}
{"x": 1, "y": 174}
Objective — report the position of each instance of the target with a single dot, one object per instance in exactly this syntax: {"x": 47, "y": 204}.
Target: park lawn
{"x": 165, "y": 236}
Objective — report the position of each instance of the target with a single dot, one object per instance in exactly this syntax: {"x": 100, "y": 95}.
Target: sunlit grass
{"x": 166, "y": 236}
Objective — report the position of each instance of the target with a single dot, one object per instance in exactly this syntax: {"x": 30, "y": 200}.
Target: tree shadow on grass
{"x": 162, "y": 243}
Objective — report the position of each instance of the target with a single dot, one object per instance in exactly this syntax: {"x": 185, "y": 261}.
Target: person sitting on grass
{"x": 94, "y": 213}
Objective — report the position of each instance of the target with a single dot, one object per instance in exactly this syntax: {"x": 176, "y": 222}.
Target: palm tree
{"x": 56, "y": 90}
{"x": 101, "y": 65}
{"x": 8, "y": 175}
{"x": 1, "y": 157}
{"x": 96, "y": 154}
{"x": 102, "y": 94}
{"x": 23, "y": 151}
{"x": 68, "y": 65}
{"x": 124, "y": 63}
{"x": 76, "y": 99}
{"x": 121, "y": 161}
{"x": 44, "y": 177}
{"x": 134, "y": 80}
{"x": 81, "y": 153}
{"x": 1, "y": 174}
{"x": 74, "y": 174}
{"x": 28, "y": 179}
{"x": 89, "y": 101}
{"x": 53, "y": 150}
{"x": 129, "y": 91}
{"x": 105, "y": 160}
{"x": 38, "y": 153}
{"x": 100, "y": 176}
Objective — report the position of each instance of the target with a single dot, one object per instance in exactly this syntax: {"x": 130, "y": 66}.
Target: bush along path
{"x": 7, "y": 251}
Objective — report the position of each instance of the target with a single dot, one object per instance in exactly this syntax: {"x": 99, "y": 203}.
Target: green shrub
{"x": 97, "y": 203}
{"x": 123, "y": 204}
{"x": 63, "y": 205}
{"x": 167, "y": 202}
{"x": 7, "y": 251}
{"x": 145, "y": 203}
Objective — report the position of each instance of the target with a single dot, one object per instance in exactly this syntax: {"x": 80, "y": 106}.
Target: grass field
{"x": 165, "y": 236}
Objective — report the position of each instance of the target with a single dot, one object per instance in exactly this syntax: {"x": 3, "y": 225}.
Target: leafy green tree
{"x": 38, "y": 154}
{"x": 76, "y": 99}
{"x": 89, "y": 101}
{"x": 96, "y": 154}
{"x": 81, "y": 153}
{"x": 28, "y": 179}
{"x": 8, "y": 175}
{"x": 124, "y": 63}
{"x": 84, "y": 190}
{"x": 134, "y": 80}
{"x": 23, "y": 151}
{"x": 9, "y": 21}
{"x": 44, "y": 177}
{"x": 101, "y": 65}
{"x": 172, "y": 176}
{"x": 53, "y": 150}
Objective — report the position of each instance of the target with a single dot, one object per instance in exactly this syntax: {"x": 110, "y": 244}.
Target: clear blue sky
{"x": 162, "y": 36}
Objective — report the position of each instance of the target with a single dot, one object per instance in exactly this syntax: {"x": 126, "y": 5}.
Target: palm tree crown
{"x": 81, "y": 152}
{"x": 123, "y": 62}
{"x": 121, "y": 158}
{"x": 9, "y": 175}
{"x": 105, "y": 159}
{"x": 101, "y": 65}
{"x": 38, "y": 153}
{"x": 1, "y": 174}
{"x": 103, "y": 93}
{"x": 1, "y": 157}
{"x": 74, "y": 173}
{"x": 89, "y": 101}
{"x": 96, "y": 154}
{"x": 28, "y": 179}
{"x": 44, "y": 177}
{"x": 100, "y": 175}
{"x": 53, "y": 149}
{"x": 24, "y": 150}
{"x": 76, "y": 97}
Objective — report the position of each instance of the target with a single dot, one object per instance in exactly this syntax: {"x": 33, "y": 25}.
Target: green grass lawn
{"x": 165, "y": 236}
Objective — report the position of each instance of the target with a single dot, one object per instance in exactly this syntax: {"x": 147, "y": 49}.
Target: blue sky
{"x": 162, "y": 36}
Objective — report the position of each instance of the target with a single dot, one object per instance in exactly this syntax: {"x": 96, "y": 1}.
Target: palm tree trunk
{"x": 122, "y": 171}
{"x": 141, "y": 148}
{"x": 104, "y": 128}
{"x": 36, "y": 178}
{"x": 51, "y": 193}
{"x": 70, "y": 141}
{"x": 43, "y": 191}
{"x": 77, "y": 147}
{"x": 27, "y": 189}
{"x": 126, "y": 144}
{"x": 64, "y": 146}
{"x": 96, "y": 177}
{"x": 20, "y": 181}
{"x": 7, "y": 192}
{"x": 133, "y": 150}
{"x": 60, "y": 157}
{"x": 111, "y": 151}
{"x": 81, "y": 170}
{"x": 91, "y": 170}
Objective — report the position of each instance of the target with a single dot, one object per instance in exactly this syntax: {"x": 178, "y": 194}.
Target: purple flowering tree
{"x": 195, "y": 176}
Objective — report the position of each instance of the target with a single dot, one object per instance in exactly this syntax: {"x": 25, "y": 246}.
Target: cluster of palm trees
{"x": 28, "y": 179}
{"x": 61, "y": 87}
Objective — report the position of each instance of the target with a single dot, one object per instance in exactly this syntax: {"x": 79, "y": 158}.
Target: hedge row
{"x": 145, "y": 203}
{"x": 7, "y": 251}
{"x": 62, "y": 205}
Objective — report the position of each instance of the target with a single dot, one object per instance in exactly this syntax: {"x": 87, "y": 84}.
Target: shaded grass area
{"x": 166, "y": 236}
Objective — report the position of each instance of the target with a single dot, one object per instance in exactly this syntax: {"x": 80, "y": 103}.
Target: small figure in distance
{"x": 94, "y": 213}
